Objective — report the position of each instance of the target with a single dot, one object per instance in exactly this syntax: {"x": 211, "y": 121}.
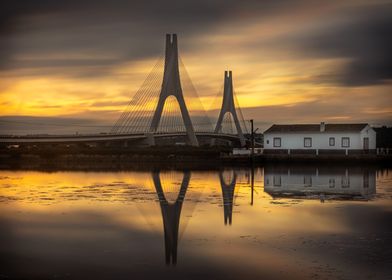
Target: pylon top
{"x": 171, "y": 38}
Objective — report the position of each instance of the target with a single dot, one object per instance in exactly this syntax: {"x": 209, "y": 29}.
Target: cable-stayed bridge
{"x": 165, "y": 110}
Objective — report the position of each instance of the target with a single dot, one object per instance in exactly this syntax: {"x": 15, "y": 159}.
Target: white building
{"x": 321, "y": 138}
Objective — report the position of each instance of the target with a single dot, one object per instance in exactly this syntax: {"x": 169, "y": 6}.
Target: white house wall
{"x": 320, "y": 140}
{"x": 371, "y": 133}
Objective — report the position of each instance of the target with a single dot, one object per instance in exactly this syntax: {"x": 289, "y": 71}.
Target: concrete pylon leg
{"x": 171, "y": 86}
{"x": 228, "y": 106}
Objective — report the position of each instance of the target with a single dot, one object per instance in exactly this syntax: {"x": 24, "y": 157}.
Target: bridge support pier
{"x": 150, "y": 140}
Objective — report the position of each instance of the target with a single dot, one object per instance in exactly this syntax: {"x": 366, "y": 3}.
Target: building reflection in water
{"x": 320, "y": 182}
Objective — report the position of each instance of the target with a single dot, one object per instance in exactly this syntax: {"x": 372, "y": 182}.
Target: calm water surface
{"x": 272, "y": 222}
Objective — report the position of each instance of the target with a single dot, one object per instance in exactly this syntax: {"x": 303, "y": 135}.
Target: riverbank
{"x": 111, "y": 159}
{"x": 164, "y": 158}
{"x": 333, "y": 158}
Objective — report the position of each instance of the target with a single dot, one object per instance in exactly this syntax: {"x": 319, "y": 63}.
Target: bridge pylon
{"x": 171, "y": 213}
{"x": 171, "y": 86}
{"x": 228, "y": 106}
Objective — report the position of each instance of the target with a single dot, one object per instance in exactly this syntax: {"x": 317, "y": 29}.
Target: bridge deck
{"x": 100, "y": 137}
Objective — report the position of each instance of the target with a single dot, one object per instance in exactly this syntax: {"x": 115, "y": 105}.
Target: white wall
{"x": 320, "y": 140}
{"x": 371, "y": 133}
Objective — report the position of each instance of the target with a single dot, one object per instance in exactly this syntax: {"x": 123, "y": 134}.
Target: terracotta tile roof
{"x": 333, "y": 127}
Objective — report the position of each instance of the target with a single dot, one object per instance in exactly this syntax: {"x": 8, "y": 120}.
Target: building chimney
{"x": 322, "y": 126}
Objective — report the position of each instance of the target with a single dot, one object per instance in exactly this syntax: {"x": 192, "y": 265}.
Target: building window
{"x": 345, "y": 142}
{"x": 277, "y": 141}
{"x": 345, "y": 182}
{"x": 267, "y": 141}
{"x": 277, "y": 180}
{"x": 307, "y": 142}
{"x": 331, "y": 183}
{"x": 331, "y": 141}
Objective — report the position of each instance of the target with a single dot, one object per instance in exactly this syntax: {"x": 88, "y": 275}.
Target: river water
{"x": 270, "y": 222}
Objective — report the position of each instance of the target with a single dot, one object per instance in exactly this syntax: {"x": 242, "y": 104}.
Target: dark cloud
{"x": 109, "y": 33}
{"x": 121, "y": 30}
{"x": 364, "y": 39}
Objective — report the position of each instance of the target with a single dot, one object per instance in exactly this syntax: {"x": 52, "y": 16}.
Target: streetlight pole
{"x": 252, "y": 139}
{"x": 252, "y": 182}
{"x": 252, "y": 174}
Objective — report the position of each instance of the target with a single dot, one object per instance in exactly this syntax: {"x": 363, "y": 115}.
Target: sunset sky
{"x": 293, "y": 61}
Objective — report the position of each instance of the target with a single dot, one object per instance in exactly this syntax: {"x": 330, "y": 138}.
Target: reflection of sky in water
{"x": 81, "y": 224}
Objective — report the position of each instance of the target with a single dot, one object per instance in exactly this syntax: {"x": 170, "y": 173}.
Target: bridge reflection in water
{"x": 171, "y": 202}
{"x": 130, "y": 223}
{"x": 322, "y": 183}
{"x": 228, "y": 188}
{"x": 171, "y": 212}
